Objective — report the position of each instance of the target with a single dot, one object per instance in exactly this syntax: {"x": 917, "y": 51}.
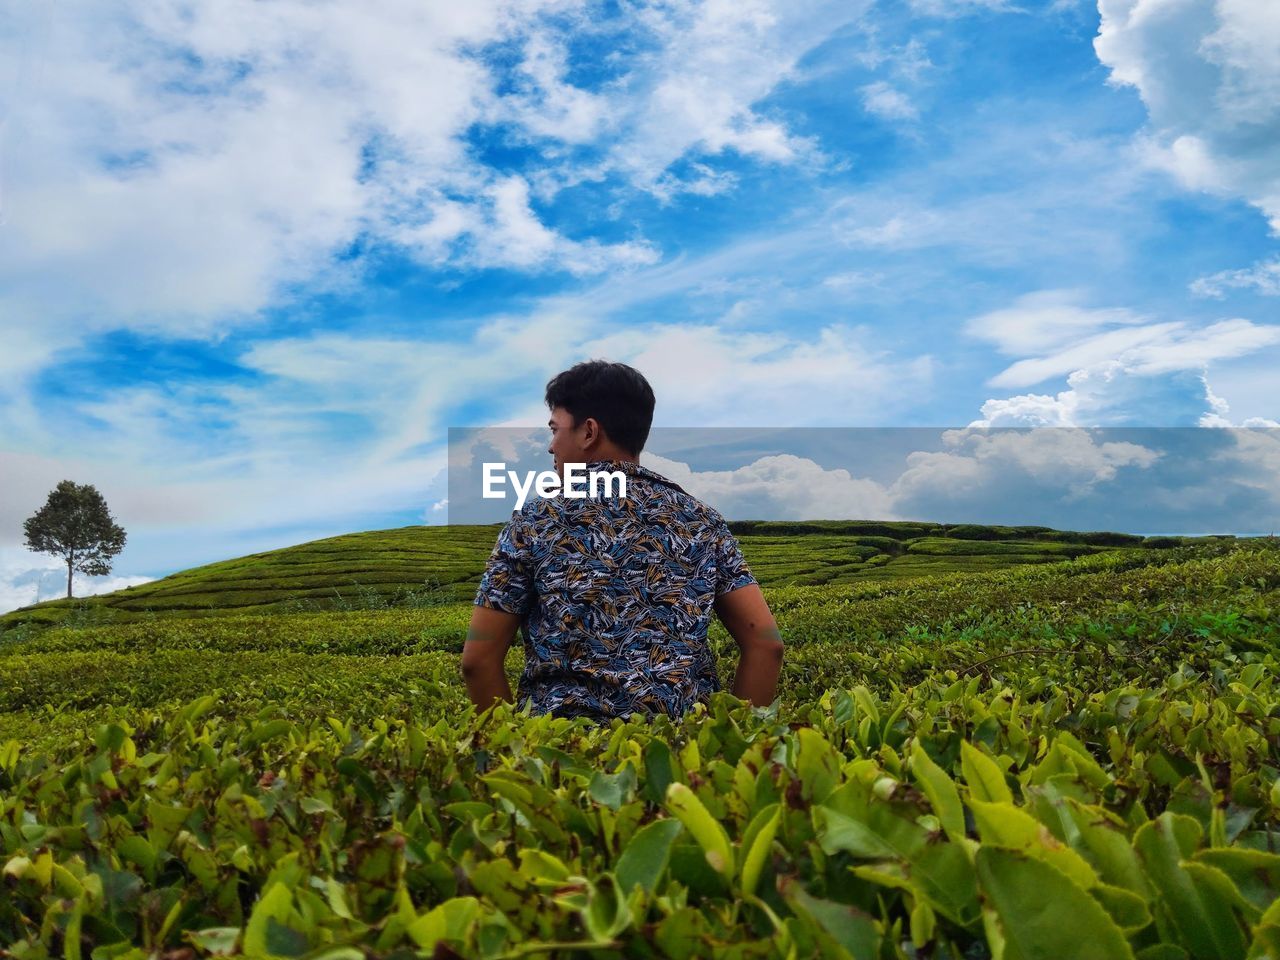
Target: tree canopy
{"x": 75, "y": 525}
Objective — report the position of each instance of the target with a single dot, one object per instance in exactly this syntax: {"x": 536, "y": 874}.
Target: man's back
{"x": 617, "y": 595}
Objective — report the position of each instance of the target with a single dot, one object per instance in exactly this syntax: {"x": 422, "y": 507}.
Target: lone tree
{"x": 74, "y": 524}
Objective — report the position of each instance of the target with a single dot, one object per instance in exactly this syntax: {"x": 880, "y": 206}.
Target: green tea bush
{"x": 951, "y": 821}
{"x": 1068, "y": 759}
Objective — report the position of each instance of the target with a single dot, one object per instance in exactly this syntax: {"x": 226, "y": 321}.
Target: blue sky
{"x": 256, "y": 258}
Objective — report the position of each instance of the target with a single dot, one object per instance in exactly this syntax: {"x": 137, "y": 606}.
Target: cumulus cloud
{"x": 1253, "y": 459}
{"x": 1209, "y": 74}
{"x": 1069, "y": 461}
{"x": 699, "y": 180}
{"x": 1122, "y": 368}
{"x": 27, "y": 578}
{"x": 1152, "y": 480}
{"x": 498, "y": 227}
{"x": 1146, "y": 480}
{"x": 179, "y": 168}
{"x": 1218, "y": 414}
{"x": 1109, "y": 393}
{"x": 1190, "y": 480}
{"x": 783, "y": 487}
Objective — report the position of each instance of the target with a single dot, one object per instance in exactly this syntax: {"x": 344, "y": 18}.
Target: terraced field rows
{"x": 416, "y": 567}
{"x": 1130, "y": 614}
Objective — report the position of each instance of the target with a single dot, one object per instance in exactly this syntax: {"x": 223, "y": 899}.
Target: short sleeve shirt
{"x": 616, "y": 594}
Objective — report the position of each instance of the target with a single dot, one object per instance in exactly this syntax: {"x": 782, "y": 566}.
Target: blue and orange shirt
{"x": 617, "y": 596}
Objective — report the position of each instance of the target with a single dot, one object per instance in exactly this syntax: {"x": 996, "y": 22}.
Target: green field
{"x": 424, "y": 566}
{"x": 990, "y": 742}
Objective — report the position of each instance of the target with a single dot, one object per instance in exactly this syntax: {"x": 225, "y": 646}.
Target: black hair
{"x": 616, "y": 395}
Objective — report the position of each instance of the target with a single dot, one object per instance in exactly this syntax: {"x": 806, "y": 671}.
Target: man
{"x": 615, "y": 593}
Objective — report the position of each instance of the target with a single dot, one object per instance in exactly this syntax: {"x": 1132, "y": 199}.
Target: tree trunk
{"x": 68, "y": 579}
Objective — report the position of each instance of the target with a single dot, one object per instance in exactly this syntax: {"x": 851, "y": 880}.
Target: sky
{"x": 257, "y": 257}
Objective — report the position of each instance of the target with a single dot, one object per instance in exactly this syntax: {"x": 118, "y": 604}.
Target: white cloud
{"x": 701, "y": 180}
{"x": 1008, "y": 475}
{"x": 718, "y": 375}
{"x": 1219, "y": 409}
{"x": 717, "y": 59}
{"x": 1209, "y": 74}
{"x": 177, "y": 170}
{"x": 184, "y": 493}
{"x": 1070, "y": 337}
{"x": 1107, "y": 394}
{"x": 883, "y": 100}
{"x": 1153, "y": 348}
{"x": 1253, "y": 459}
{"x": 1263, "y": 277}
{"x": 1069, "y": 461}
{"x": 1121, "y": 367}
{"x": 27, "y": 578}
{"x": 513, "y": 236}
{"x": 1045, "y": 320}
{"x": 498, "y": 227}
{"x": 782, "y": 487}
{"x": 547, "y": 105}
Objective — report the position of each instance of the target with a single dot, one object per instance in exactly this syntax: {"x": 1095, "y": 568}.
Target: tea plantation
{"x": 1006, "y": 743}
{"x": 424, "y": 566}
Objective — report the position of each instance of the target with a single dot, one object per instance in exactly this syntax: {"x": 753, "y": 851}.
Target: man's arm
{"x": 746, "y": 616}
{"x": 488, "y": 637}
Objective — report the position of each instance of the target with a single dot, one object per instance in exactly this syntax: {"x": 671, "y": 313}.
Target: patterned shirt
{"x": 616, "y": 595}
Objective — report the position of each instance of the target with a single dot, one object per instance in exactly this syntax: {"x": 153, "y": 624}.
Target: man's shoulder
{"x": 714, "y": 516}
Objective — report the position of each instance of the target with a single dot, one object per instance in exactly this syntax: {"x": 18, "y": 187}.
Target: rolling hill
{"x": 424, "y": 566}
